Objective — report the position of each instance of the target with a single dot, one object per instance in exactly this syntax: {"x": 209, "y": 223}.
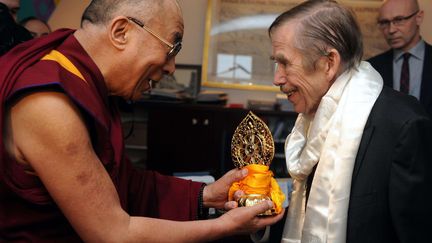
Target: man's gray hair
{"x": 322, "y": 25}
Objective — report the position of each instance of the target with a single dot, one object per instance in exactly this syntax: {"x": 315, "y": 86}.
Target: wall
{"x": 68, "y": 14}
{"x": 427, "y": 22}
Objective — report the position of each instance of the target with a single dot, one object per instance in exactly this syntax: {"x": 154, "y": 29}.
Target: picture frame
{"x": 237, "y": 47}
{"x": 190, "y": 76}
{"x": 184, "y": 83}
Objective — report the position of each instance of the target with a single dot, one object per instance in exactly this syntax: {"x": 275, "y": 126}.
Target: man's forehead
{"x": 173, "y": 26}
{"x": 171, "y": 20}
{"x": 177, "y": 16}
{"x": 283, "y": 34}
{"x": 393, "y": 8}
{"x": 11, "y": 3}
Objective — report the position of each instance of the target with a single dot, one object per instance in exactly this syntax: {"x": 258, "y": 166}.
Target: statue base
{"x": 254, "y": 199}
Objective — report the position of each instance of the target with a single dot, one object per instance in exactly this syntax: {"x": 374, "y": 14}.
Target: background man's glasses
{"x": 174, "y": 48}
{"x": 397, "y": 21}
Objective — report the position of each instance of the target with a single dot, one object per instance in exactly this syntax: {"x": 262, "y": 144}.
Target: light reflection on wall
{"x": 245, "y": 23}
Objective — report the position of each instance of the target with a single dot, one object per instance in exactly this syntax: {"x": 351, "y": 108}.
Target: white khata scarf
{"x": 332, "y": 138}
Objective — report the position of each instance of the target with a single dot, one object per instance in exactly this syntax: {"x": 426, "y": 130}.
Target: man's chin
{"x": 298, "y": 109}
{"x": 396, "y": 44}
{"x": 136, "y": 97}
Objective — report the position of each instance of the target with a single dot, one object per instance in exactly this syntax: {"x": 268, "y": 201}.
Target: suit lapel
{"x": 387, "y": 71}
{"x": 364, "y": 144}
{"x": 426, "y": 85}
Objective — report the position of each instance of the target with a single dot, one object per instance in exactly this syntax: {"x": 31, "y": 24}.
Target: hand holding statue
{"x": 215, "y": 195}
{"x": 242, "y": 220}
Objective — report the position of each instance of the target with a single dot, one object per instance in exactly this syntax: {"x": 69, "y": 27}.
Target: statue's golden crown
{"x": 252, "y": 142}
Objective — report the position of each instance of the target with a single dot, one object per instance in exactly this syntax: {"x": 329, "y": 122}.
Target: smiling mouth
{"x": 290, "y": 92}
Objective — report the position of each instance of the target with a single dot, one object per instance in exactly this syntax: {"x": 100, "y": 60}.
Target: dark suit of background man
{"x": 399, "y": 21}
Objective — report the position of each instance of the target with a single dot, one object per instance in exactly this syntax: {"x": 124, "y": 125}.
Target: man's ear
{"x": 119, "y": 32}
{"x": 419, "y": 17}
{"x": 332, "y": 64}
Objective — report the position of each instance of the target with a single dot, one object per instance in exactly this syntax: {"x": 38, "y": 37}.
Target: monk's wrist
{"x": 202, "y": 208}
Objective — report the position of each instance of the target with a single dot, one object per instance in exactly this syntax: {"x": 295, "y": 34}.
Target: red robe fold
{"x": 27, "y": 212}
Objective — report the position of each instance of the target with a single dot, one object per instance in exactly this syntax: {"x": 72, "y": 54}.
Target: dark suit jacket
{"x": 383, "y": 63}
{"x": 390, "y": 200}
{"x": 390, "y": 197}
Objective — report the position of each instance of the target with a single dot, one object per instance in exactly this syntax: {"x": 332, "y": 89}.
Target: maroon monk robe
{"x": 27, "y": 212}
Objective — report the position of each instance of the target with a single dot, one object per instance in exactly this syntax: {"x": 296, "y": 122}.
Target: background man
{"x": 360, "y": 153}
{"x": 407, "y": 66}
{"x": 64, "y": 176}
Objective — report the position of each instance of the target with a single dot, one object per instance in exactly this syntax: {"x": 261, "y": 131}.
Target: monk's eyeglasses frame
{"x": 174, "y": 48}
{"x": 397, "y": 21}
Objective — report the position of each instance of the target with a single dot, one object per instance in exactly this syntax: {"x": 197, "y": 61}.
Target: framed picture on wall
{"x": 237, "y": 47}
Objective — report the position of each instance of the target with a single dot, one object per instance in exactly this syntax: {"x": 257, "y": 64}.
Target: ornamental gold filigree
{"x": 252, "y": 142}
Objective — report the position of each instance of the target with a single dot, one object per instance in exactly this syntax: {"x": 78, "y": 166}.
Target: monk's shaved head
{"x": 102, "y": 11}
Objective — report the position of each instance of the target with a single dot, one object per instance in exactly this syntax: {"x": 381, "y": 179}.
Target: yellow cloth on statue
{"x": 259, "y": 181}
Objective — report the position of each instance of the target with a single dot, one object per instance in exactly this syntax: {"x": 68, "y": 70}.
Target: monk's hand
{"x": 215, "y": 195}
{"x": 233, "y": 204}
{"x": 244, "y": 220}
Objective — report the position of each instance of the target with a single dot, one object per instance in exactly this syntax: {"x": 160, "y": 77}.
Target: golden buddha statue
{"x": 252, "y": 147}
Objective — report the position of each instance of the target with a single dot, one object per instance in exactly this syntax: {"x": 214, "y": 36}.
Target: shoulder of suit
{"x": 393, "y": 103}
{"x": 381, "y": 56}
{"x": 428, "y": 47}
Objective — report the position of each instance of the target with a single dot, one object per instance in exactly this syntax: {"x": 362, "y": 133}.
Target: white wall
{"x": 194, "y": 15}
{"x": 68, "y": 14}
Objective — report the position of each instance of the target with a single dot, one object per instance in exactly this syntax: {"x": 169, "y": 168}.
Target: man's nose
{"x": 279, "y": 77}
{"x": 392, "y": 28}
{"x": 169, "y": 67}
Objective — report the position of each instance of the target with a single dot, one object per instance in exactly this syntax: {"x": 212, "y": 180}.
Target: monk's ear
{"x": 332, "y": 64}
{"x": 119, "y": 31}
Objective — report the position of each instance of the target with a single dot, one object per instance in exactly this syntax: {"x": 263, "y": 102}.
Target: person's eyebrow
{"x": 178, "y": 37}
{"x": 279, "y": 58}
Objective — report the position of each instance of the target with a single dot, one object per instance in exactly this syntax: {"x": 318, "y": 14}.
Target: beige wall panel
{"x": 68, "y": 14}
{"x": 426, "y": 28}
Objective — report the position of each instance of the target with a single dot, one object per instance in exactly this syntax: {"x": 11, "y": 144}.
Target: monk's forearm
{"x": 157, "y": 230}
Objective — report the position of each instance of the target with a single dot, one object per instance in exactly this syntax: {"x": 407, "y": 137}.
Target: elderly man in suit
{"x": 360, "y": 152}
{"x": 407, "y": 66}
